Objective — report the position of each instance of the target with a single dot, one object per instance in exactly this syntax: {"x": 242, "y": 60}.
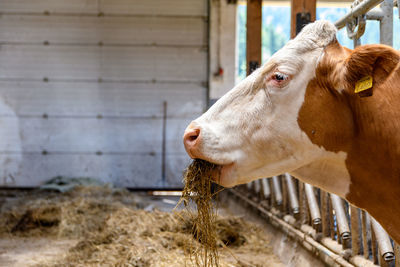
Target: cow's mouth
{"x": 222, "y": 174}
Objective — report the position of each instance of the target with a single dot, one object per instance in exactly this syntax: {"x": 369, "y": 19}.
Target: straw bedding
{"x": 112, "y": 230}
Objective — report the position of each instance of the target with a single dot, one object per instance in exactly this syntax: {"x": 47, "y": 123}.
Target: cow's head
{"x": 263, "y": 127}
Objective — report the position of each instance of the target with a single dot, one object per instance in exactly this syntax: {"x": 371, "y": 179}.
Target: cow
{"x": 326, "y": 114}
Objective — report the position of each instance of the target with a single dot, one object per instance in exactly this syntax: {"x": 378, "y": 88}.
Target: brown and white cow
{"x": 299, "y": 113}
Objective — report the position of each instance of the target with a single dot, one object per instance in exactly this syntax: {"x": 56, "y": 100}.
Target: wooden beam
{"x": 253, "y": 37}
{"x": 302, "y": 12}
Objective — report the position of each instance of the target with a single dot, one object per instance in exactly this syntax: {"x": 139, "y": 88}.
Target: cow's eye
{"x": 279, "y": 77}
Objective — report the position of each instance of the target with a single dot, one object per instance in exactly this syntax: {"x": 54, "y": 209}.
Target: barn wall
{"x": 82, "y": 87}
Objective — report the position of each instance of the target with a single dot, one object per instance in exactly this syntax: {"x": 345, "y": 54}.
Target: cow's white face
{"x": 252, "y": 131}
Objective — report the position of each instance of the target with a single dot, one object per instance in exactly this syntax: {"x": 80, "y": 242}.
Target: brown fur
{"x": 367, "y": 129}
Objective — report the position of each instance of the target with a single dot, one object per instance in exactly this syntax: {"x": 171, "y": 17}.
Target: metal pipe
{"x": 332, "y": 257}
{"x": 308, "y": 242}
{"x": 375, "y": 14}
{"x": 355, "y": 230}
{"x": 337, "y": 248}
{"x": 257, "y": 186}
{"x": 265, "y": 188}
{"x": 249, "y": 185}
{"x": 386, "y": 23}
{"x": 164, "y": 144}
{"x": 364, "y": 234}
{"x": 277, "y": 190}
{"x": 294, "y": 203}
{"x": 325, "y": 213}
{"x": 374, "y": 248}
{"x": 397, "y": 253}
{"x": 385, "y": 246}
{"x": 304, "y": 214}
{"x": 341, "y": 219}
{"x": 284, "y": 195}
{"x": 313, "y": 206}
{"x": 359, "y": 10}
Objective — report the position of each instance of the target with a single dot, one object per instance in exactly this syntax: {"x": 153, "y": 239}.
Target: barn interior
{"x": 94, "y": 98}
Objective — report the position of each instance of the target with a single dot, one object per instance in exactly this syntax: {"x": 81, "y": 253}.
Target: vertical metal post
{"x": 331, "y": 220}
{"x": 364, "y": 234}
{"x": 356, "y": 42}
{"x": 294, "y": 203}
{"x": 257, "y": 186}
{"x": 385, "y": 246}
{"x": 277, "y": 190}
{"x": 303, "y": 205}
{"x": 397, "y": 254}
{"x": 163, "y": 148}
{"x": 284, "y": 194}
{"x": 355, "y": 230}
{"x": 313, "y": 206}
{"x": 249, "y": 186}
{"x": 266, "y": 190}
{"x": 325, "y": 213}
{"x": 373, "y": 246}
{"x": 386, "y": 23}
{"x": 341, "y": 220}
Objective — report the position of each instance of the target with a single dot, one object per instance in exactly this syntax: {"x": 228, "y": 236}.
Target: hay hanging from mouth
{"x": 198, "y": 190}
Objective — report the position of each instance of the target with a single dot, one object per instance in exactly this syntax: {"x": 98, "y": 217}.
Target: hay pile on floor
{"x": 111, "y": 231}
{"x": 73, "y": 214}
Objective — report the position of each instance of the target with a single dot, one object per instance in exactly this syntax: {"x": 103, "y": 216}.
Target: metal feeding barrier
{"x": 325, "y": 224}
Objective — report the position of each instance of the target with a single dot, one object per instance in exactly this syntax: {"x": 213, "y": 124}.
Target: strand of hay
{"x": 198, "y": 190}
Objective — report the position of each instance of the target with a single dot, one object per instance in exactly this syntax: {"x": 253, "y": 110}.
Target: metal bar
{"x": 303, "y": 205}
{"x": 385, "y": 246}
{"x": 341, "y": 220}
{"x": 163, "y": 145}
{"x": 249, "y": 186}
{"x": 277, "y": 190}
{"x": 364, "y": 234}
{"x": 356, "y": 42}
{"x": 355, "y": 230}
{"x": 285, "y": 197}
{"x": 375, "y": 14}
{"x": 294, "y": 203}
{"x": 397, "y": 254}
{"x": 382, "y": 262}
{"x": 325, "y": 214}
{"x": 360, "y": 9}
{"x": 374, "y": 248}
{"x": 386, "y": 23}
{"x": 306, "y": 241}
{"x": 256, "y": 184}
{"x": 331, "y": 220}
{"x": 266, "y": 190}
{"x": 313, "y": 206}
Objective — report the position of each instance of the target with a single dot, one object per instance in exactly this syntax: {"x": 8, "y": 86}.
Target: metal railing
{"x": 351, "y": 235}
{"x": 325, "y": 224}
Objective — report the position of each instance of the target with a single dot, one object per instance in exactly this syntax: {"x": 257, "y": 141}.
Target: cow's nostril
{"x": 191, "y": 138}
{"x": 191, "y": 135}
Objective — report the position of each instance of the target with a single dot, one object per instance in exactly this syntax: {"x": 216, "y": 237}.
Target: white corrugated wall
{"x": 82, "y": 86}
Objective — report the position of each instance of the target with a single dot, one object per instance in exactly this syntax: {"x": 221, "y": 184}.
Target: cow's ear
{"x": 369, "y": 65}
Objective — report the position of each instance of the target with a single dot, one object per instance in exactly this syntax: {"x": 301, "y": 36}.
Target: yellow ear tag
{"x": 363, "y": 84}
